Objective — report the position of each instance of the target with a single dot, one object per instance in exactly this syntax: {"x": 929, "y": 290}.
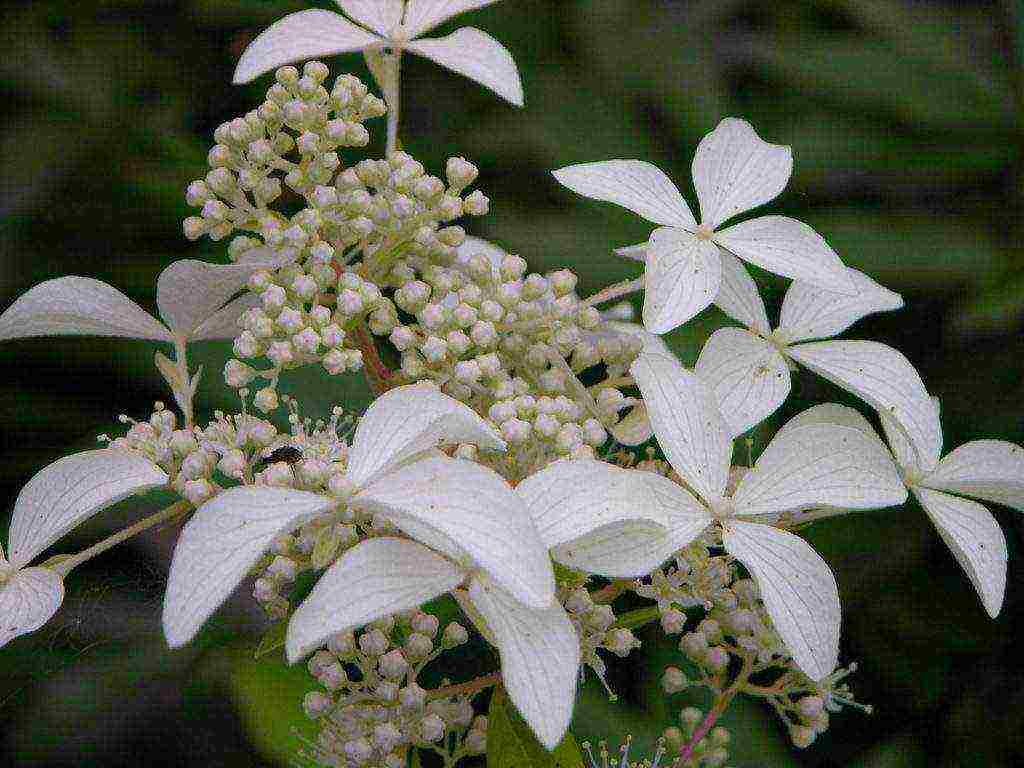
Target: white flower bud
{"x": 418, "y": 646}
{"x": 198, "y": 491}
{"x": 266, "y": 400}
{"x": 467, "y": 371}
{"x": 717, "y": 659}
{"x": 454, "y": 635}
{"x": 460, "y": 172}
{"x": 432, "y": 316}
{"x": 238, "y": 374}
{"x": 621, "y": 642}
{"x": 233, "y": 464}
{"x": 476, "y": 203}
{"x": 332, "y": 336}
{"x": 516, "y": 431}
{"x": 307, "y": 341}
{"x": 801, "y": 736}
{"x": 673, "y": 680}
{"x": 412, "y": 697}
{"x": 810, "y": 706}
{"x": 315, "y": 704}
{"x": 359, "y": 751}
{"x": 373, "y": 643}
{"x": 403, "y": 338}
{"x": 673, "y": 621}
{"x": 342, "y": 643}
{"x": 264, "y": 590}
{"x": 432, "y": 728}
{"x": 393, "y": 665}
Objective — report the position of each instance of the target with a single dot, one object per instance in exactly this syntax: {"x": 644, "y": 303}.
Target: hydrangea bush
{"x": 532, "y": 453}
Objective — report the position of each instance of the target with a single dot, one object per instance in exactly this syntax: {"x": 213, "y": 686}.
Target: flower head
{"x": 734, "y": 171}
{"x": 618, "y": 522}
{"x": 374, "y": 25}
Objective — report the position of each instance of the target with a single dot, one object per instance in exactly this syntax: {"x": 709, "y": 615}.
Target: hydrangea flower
{"x": 749, "y": 368}
{"x": 990, "y": 470}
{"x": 454, "y": 507}
{"x": 622, "y": 523}
{"x": 57, "y": 499}
{"x": 734, "y": 171}
{"x": 386, "y": 24}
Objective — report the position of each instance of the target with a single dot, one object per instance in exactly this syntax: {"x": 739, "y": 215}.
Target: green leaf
{"x": 511, "y": 743}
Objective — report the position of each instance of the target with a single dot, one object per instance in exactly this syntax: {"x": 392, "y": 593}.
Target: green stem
{"x": 638, "y": 618}
{"x": 164, "y": 515}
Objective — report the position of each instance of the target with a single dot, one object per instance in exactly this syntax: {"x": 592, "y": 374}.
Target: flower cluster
{"x": 482, "y": 468}
{"x": 369, "y": 705}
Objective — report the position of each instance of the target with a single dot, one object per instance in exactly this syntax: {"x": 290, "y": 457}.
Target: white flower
{"x": 58, "y": 498}
{"x": 455, "y": 507}
{"x": 992, "y": 470}
{"x": 622, "y": 523}
{"x": 749, "y": 369}
{"x": 192, "y": 297}
{"x": 734, "y": 171}
{"x": 386, "y": 24}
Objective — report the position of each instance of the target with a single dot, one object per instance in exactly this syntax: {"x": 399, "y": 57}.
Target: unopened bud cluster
{"x": 369, "y": 706}
{"x": 710, "y": 752}
{"x": 594, "y": 623}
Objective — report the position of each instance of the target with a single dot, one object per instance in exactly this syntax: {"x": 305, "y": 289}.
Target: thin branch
{"x": 716, "y": 711}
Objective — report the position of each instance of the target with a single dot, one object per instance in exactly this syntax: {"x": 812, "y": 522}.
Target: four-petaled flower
{"x": 386, "y": 24}
{"x": 622, "y": 523}
{"x": 464, "y": 523}
{"x": 57, "y": 499}
{"x": 991, "y": 470}
{"x": 734, "y": 171}
{"x": 749, "y": 368}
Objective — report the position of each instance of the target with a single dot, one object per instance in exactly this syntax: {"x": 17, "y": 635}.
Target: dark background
{"x": 905, "y": 122}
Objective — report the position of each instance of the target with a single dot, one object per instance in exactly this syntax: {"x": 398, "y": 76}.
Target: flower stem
{"x": 378, "y": 375}
{"x": 164, "y": 515}
{"x": 394, "y": 98}
{"x": 609, "y": 593}
{"x": 724, "y": 699}
{"x": 616, "y": 291}
{"x": 462, "y": 689}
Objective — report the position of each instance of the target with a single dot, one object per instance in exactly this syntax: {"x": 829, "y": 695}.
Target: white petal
{"x": 189, "y": 292}
{"x": 374, "y": 579}
{"x": 408, "y": 420}
{"x": 382, "y": 16}
{"x": 633, "y": 184}
{"x": 738, "y": 296}
{"x": 470, "y": 513}
{"x": 830, "y": 413}
{"x": 608, "y": 520}
{"x": 985, "y": 469}
{"x": 906, "y": 456}
{"x": 423, "y": 15}
{"x": 975, "y": 539}
{"x": 798, "y": 590}
{"x": 681, "y": 279}
{"x": 70, "y": 491}
{"x": 300, "y": 36}
{"x": 28, "y": 599}
{"x": 686, "y": 419}
{"x": 220, "y": 545}
{"x": 748, "y": 375}
{"x": 819, "y": 463}
{"x": 478, "y": 56}
{"x": 223, "y": 324}
{"x": 884, "y": 379}
{"x": 635, "y": 428}
{"x": 78, "y": 306}
{"x": 789, "y": 248}
{"x": 809, "y": 312}
{"x": 734, "y": 170}
{"x": 540, "y": 658}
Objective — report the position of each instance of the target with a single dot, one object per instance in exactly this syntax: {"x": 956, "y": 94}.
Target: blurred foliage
{"x": 906, "y": 124}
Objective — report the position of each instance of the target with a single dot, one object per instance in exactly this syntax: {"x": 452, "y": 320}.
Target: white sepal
{"x": 70, "y": 491}
{"x": 734, "y": 170}
{"x": 478, "y": 56}
{"x": 611, "y": 521}
{"x": 382, "y": 16}
{"x": 78, "y": 306}
{"x": 797, "y": 588}
{"x": 821, "y": 464}
{"x": 738, "y": 296}
{"x": 471, "y": 514}
{"x": 28, "y": 599}
{"x": 423, "y": 15}
{"x": 975, "y": 539}
{"x": 220, "y": 545}
{"x": 633, "y": 184}
{"x": 299, "y": 36}
{"x": 992, "y": 470}
{"x": 190, "y": 292}
{"x": 749, "y": 376}
{"x": 789, "y": 248}
{"x": 408, "y": 420}
{"x": 810, "y": 312}
{"x": 681, "y": 278}
{"x": 540, "y": 658}
{"x": 884, "y": 379}
{"x": 687, "y": 422}
{"x": 223, "y": 324}
{"x": 376, "y": 578}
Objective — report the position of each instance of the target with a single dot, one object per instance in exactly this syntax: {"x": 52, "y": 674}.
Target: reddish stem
{"x": 716, "y": 711}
